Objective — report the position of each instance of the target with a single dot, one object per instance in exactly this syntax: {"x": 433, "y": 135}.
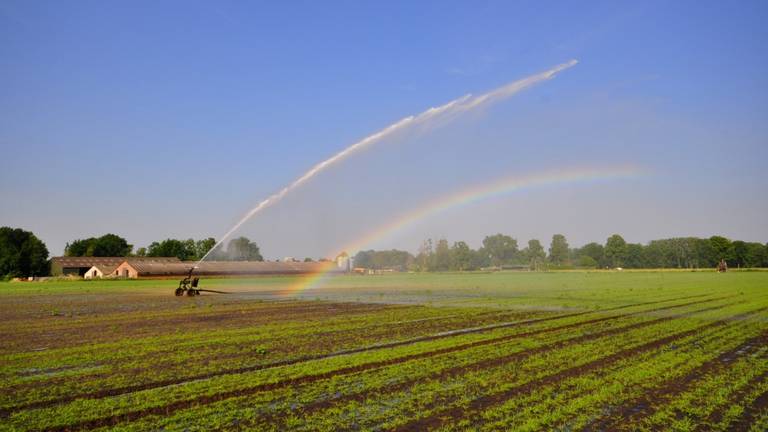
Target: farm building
{"x": 137, "y": 269}
{"x": 80, "y": 266}
{"x": 100, "y": 271}
{"x": 344, "y": 262}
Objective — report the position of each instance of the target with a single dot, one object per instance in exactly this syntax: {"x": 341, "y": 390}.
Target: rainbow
{"x": 467, "y": 197}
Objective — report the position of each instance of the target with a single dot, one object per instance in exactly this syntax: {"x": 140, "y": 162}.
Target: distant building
{"x": 139, "y": 269}
{"x": 135, "y": 269}
{"x": 79, "y": 266}
{"x": 344, "y": 262}
{"x": 100, "y": 271}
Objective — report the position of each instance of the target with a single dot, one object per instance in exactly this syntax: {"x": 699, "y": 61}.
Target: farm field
{"x": 588, "y": 351}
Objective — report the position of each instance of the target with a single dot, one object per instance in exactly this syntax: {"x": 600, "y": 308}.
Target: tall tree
{"x": 108, "y": 245}
{"x": 616, "y": 250}
{"x": 442, "y": 255}
{"x": 593, "y": 250}
{"x": 635, "y": 256}
{"x": 587, "y": 261}
{"x": 22, "y": 254}
{"x": 364, "y": 259}
{"x": 170, "y": 248}
{"x": 202, "y": 247}
{"x": 501, "y": 248}
{"x": 747, "y": 254}
{"x": 389, "y": 259}
{"x": 722, "y": 248}
{"x": 481, "y": 258}
{"x": 78, "y": 247}
{"x": 461, "y": 256}
{"x": 535, "y": 254}
{"x": 243, "y": 249}
{"x": 558, "y": 250}
{"x": 425, "y": 258}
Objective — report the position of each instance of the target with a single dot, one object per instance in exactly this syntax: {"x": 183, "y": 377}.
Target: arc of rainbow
{"x": 466, "y": 197}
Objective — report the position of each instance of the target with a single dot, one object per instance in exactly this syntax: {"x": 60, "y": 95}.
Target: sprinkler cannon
{"x": 188, "y": 286}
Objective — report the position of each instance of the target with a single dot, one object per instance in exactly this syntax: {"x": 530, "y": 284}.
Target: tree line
{"x": 503, "y": 251}
{"x": 111, "y": 245}
{"x": 23, "y": 254}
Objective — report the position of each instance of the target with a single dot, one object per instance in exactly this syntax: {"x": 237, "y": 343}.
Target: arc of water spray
{"x": 456, "y": 106}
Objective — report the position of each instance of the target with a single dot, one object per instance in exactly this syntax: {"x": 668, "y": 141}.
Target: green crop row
{"x": 575, "y": 402}
{"x": 355, "y": 411}
{"x": 229, "y": 383}
{"x": 219, "y": 354}
{"x": 326, "y": 390}
{"x": 172, "y": 360}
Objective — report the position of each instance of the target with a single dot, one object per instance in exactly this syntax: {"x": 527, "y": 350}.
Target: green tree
{"x": 78, "y": 247}
{"x": 587, "y": 261}
{"x": 481, "y": 258}
{"x": 660, "y": 254}
{"x": 758, "y": 255}
{"x": 364, "y": 259}
{"x": 764, "y": 256}
{"x": 722, "y": 248}
{"x": 535, "y": 254}
{"x": 502, "y": 249}
{"x": 108, "y": 245}
{"x": 461, "y": 256}
{"x": 389, "y": 259}
{"x": 425, "y": 258}
{"x": 191, "y": 248}
{"x": 635, "y": 256}
{"x": 22, "y": 254}
{"x": 558, "y": 250}
{"x": 243, "y": 249}
{"x": 594, "y": 251}
{"x": 111, "y": 245}
{"x": 746, "y": 254}
{"x": 141, "y": 252}
{"x": 705, "y": 254}
{"x": 170, "y": 248}
{"x": 442, "y": 256}
{"x": 202, "y": 247}
{"x": 616, "y": 250}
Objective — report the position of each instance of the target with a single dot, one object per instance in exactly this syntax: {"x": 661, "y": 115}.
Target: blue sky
{"x": 121, "y": 116}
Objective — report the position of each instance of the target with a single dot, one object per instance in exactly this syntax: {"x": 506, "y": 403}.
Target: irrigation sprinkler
{"x": 188, "y": 286}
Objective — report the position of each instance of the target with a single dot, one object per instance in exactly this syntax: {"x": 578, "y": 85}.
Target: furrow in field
{"x": 163, "y": 383}
{"x": 442, "y": 417}
{"x": 573, "y": 402}
{"x": 736, "y": 399}
{"x": 104, "y": 330}
{"x": 263, "y": 411}
{"x": 223, "y": 362}
{"x": 452, "y": 372}
{"x": 227, "y": 346}
{"x": 304, "y": 379}
{"x": 749, "y": 416}
{"x": 632, "y": 410}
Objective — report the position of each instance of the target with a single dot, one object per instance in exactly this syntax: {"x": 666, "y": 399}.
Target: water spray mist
{"x": 456, "y": 106}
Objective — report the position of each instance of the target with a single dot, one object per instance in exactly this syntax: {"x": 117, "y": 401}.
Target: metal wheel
{"x": 179, "y": 292}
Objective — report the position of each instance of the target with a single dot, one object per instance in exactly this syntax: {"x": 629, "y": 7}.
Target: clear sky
{"x": 171, "y": 119}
